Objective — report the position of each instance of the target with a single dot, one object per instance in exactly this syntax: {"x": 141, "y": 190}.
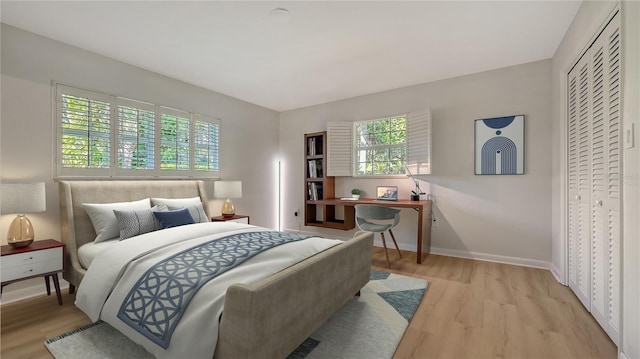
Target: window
{"x": 380, "y": 147}
{"x": 106, "y": 136}
{"x": 136, "y": 136}
{"x": 174, "y": 140}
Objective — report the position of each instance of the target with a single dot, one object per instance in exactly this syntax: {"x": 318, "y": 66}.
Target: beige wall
{"x": 589, "y": 19}
{"x": 31, "y": 62}
{"x": 504, "y": 218}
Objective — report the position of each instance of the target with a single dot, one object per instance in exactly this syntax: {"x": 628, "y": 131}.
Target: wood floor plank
{"x": 472, "y": 309}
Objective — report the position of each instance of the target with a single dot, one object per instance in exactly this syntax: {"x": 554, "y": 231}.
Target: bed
{"x": 267, "y": 318}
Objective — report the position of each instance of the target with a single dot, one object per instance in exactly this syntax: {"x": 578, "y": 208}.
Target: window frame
{"x": 356, "y": 148}
{"x": 61, "y": 172}
{"x": 341, "y": 146}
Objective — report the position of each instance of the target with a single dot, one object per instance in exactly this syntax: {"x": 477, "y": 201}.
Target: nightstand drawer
{"x": 32, "y": 257}
{"x": 31, "y": 269}
{"x": 240, "y": 220}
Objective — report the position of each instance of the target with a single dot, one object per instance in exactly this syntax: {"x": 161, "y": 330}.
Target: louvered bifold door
{"x": 573, "y": 219}
{"x": 579, "y": 182}
{"x": 594, "y": 171}
{"x": 605, "y": 179}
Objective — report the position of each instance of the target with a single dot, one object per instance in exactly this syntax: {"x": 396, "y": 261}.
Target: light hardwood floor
{"x": 471, "y": 309}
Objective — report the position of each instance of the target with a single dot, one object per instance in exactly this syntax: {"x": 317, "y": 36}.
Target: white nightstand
{"x": 236, "y": 218}
{"x": 43, "y": 258}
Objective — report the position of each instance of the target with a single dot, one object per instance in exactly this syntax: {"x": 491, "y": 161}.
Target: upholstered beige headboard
{"x": 76, "y": 227}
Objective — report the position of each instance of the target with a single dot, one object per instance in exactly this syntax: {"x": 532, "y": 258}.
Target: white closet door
{"x": 580, "y": 183}
{"x": 605, "y": 195}
{"x": 573, "y": 145}
{"x": 594, "y": 178}
{"x": 613, "y": 205}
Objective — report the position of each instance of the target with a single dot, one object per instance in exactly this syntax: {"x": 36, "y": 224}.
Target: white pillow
{"x": 177, "y": 202}
{"x": 194, "y": 205}
{"x": 104, "y": 220}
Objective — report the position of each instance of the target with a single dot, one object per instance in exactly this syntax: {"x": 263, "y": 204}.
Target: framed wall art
{"x": 499, "y": 146}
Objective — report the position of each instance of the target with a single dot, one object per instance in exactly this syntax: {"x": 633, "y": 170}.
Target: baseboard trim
{"x": 525, "y": 262}
{"x": 29, "y": 292}
{"x": 556, "y": 273}
{"x": 621, "y": 355}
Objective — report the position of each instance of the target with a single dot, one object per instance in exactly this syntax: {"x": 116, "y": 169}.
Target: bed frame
{"x": 267, "y": 319}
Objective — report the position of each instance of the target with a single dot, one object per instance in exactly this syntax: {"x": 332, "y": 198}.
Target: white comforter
{"x": 112, "y": 274}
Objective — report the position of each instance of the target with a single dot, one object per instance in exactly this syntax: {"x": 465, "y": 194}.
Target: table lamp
{"x": 228, "y": 190}
{"x": 21, "y": 198}
{"x": 416, "y": 192}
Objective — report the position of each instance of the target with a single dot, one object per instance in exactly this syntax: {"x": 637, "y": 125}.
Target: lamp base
{"x": 228, "y": 210}
{"x": 18, "y": 243}
{"x": 20, "y": 233}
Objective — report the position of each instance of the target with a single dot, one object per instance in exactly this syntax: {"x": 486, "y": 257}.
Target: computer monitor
{"x": 387, "y": 193}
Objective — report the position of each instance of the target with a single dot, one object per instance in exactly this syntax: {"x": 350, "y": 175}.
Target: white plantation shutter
{"x": 206, "y": 138}
{"x": 135, "y": 137}
{"x": 339, "y": 148}
{"x": 84, "y": 132}
{"x": 173, "y": 141}
{"x": 99, "y": 135}
{"x": 341, "y": 139}
{"x": 419, "y": 142}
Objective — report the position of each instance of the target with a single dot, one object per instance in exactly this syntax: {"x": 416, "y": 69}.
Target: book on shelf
{"x": 314, "y": 146}
{"x": 315, "y": 168}
{"x": 315, "y": 191}
{"x": 312, "y": 169}
{"x": 311, "y": 146}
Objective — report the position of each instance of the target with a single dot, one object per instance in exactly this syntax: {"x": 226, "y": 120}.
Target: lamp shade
{"x": 20, "y": 198}
{"x": 227, "y": 189}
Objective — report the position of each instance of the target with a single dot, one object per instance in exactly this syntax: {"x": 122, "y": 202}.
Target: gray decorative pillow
{"x": 105, "y": 222}
{"x": 133, "y": 223}
{"x": 196, "y": 212}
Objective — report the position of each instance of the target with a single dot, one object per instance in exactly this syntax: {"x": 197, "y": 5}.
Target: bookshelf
{"x": 319, "y": 186}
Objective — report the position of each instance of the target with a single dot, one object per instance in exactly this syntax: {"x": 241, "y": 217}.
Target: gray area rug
{"x": 369, "y": 326}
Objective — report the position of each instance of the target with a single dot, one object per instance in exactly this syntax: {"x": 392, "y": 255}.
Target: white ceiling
{"x": 328, "y": 51}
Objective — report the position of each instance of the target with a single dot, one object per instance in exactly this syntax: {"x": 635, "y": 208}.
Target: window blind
{"x": 99, "y": 135}
{"x": 174, "y": 140}
{"x": 419, "y": 142}
{"x": 85, "y": 131}
{"x": 340, "y": 145}
{"x": 339, "y": 148}
{"x": 136, "y": 136}
{"x": 206, "y": 136}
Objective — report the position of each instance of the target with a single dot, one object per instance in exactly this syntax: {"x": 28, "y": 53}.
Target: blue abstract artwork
{"x": 499, "y": 148}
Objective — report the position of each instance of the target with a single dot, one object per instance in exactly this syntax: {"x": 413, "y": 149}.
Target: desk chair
{"x": 367, "y": 212}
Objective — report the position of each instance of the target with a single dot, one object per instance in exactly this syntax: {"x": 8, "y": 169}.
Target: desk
{"x": 422, "y": 207}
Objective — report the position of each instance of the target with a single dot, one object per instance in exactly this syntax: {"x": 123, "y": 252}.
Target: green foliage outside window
{"x": 88, "y": 127}
{"x": 381, "y": 146}
{"x": 136, "y": 136}
{"x": 85, "y": 133}
{"x": 174, "y": 143}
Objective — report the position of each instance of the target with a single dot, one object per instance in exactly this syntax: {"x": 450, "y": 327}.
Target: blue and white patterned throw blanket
{"x": 155, "y": 304}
